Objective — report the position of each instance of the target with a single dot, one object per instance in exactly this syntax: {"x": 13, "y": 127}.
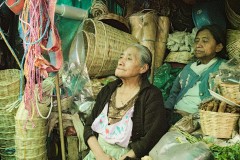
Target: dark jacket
{"x": 149, "y": 117}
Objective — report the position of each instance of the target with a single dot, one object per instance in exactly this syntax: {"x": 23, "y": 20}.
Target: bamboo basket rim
{"x": 116, "y": 18}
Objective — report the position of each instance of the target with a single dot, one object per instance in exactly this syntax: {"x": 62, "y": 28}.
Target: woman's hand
{"x": 130, "y": 154}
{"x": 97, "y": 149}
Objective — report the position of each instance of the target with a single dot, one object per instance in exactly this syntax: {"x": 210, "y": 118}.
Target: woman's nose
{"x": 120, "y": 61}
{"x": 198, "y": 44}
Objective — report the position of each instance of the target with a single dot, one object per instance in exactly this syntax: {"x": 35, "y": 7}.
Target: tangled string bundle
{"x": 39, "y": 36}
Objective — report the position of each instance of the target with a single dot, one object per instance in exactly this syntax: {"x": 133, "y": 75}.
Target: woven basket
{"x": 7, "y": 157}
{"x": 6, "y": 120}
{"x": 89, "y": 43}
{"x": 30, "y": 151}
{"x": 217, "y": 124}
{"x": 232, "y": 16}
{"x": 233, "y": 43}
{"x": 230, "y": 91}
{"x": 7, "y": 135}
{"x": 109, "y": 44}
{"x": 30, "y": 132}
{"x": 9, "y": 82}
{"x": 8, "y": 100}
{"x": 115, "y": 21}
{"x": 42, "y": 156}
{"x": 7, "y": 142}
{"x": 7, "y": 129}
{"x": 36, "y": 122}
{"x": 21, "y": 142}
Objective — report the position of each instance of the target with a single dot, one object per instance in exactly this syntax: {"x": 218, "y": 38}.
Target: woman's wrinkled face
{"x": 129, "y": 64}
{"x": 205, "y": 46}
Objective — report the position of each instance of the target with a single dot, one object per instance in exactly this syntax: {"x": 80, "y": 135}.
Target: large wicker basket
{"x": 109, "y": 44}
{"x": 218, "y": 124}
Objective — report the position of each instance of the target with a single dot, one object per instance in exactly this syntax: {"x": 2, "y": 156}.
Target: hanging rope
{"x": 39, "y": 36}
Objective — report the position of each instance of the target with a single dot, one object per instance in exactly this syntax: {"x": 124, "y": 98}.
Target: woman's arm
{"x": 97, "y": 149}
{"x": 171, "y": 101}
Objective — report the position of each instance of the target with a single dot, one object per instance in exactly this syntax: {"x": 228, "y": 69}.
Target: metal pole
{"x": 60, "y": 117}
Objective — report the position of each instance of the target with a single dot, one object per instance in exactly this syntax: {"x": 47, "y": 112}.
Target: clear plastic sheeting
{"x": 75, "y": 76}
{"x": 174, "y": 145}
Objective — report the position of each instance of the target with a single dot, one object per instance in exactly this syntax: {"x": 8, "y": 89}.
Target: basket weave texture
{"x": 233, "y": 43}
{"x": 109, "y": 44}
{"x": 30, "y": 138}
{"x": 9, "y": 82}
{"x": 9, "y": 92}
{"x": 218, "y": 124}
{"x": 230, "y": 91}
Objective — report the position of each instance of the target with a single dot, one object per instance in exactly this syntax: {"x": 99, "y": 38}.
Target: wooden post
{"x": 60, "y": 117}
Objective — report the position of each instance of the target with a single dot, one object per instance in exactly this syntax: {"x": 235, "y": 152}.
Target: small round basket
{"x": 9, "y": 82}
{"x": 217, "y": 124}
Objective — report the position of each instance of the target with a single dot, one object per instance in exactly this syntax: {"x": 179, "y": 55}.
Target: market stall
{"x": 69, "y": 53}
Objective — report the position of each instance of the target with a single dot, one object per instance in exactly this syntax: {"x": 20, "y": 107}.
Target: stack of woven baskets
{"x": 9, "y": 92}
{"x": 31, "y": 131}
{"x": 31, "y": 135}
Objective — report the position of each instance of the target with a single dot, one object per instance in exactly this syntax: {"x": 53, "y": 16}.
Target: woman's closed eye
{"x": 204, "y": 40}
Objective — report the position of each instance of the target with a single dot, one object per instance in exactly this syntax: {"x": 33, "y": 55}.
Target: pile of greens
{"x": 226, "y": 153}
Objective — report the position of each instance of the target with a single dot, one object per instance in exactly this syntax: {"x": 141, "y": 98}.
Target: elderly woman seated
{"x": 128, "y": 118}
